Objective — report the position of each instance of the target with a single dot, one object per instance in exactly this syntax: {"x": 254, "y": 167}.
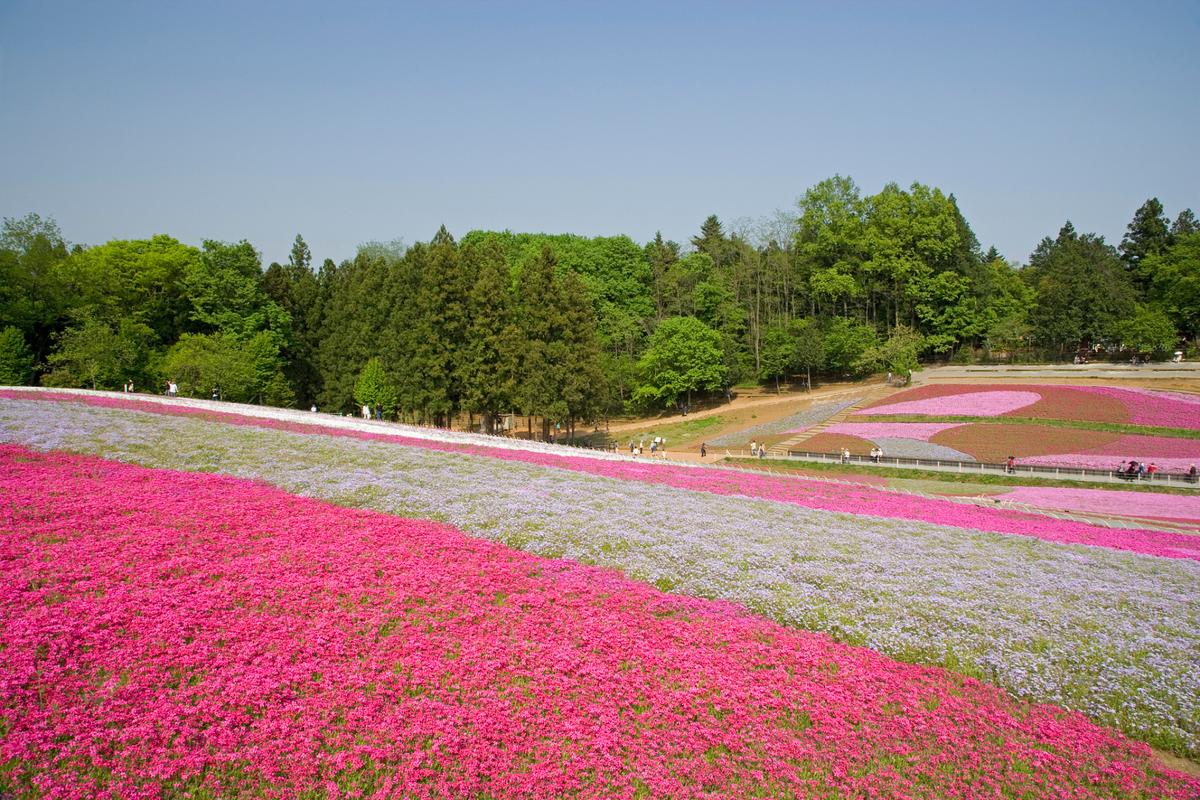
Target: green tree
{"x": 898, "y": 354}
{"x": 16, "y": 361}
{"x": 778, "y": 354}
{"x": 1176, "y": 286}
{"x": 489, "y": 359}
{"x": 140, "y": 281}
{"x": 243, "y": 370}
{"x": 32, "y": 299}
{"x": 96, "y": 354}
{"x": 375, "y": 389}
{"x": 1083, "y": 291}
{"x": 1148, "y": 331}
{"x": 1148, "y": 234}
{"x": 1185, "y": 224}
{"x": 808, "y": 343}
{"x": 684, "y": 356}
{"x": 845, "y": 341}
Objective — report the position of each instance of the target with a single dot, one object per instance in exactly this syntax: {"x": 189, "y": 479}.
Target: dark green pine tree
{"x": 1184, "y": 224}
{"x": 583, "y": 384}
{"x": 712, "y": 241}
{"x": 296, "y": 289}
{"x": 441, "y": 328}
{"x": 354, "y": 326}
{"x": 1148, "y": 234}
{"x": 489, "y": 359}
{"x": 663, "y": 256}
{"x": 540, "y": 322}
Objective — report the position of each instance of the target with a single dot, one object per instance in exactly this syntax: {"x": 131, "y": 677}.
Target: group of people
{"x": 368, "y": 412}
{"x": 758, "y": 450}
{"x": 1139, "y": 469}
{"x": 658, "y": 446}
{"x": 876, "y": 454}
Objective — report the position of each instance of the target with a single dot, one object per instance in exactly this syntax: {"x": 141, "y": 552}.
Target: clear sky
{"x": 350, "y": 122}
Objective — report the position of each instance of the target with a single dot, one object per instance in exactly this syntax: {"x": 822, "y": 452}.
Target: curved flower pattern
{"x": 991, "y": 403}
{"x": 176, "y": 634}
{"x": 1109, "y": 633}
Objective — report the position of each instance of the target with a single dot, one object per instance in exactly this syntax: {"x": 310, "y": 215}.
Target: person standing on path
{"x": 704, "y": 451}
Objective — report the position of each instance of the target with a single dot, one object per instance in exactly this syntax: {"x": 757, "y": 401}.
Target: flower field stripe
{"x": 920, "y": 431}
{"x": 1113, "y": 404}
{"x": 978, "y": 404}
{"x": 177, "y": 634}
{"x": 1100, "y": 501}
{"x": 1110, "y": 633}
{"x": 807, "y": 492}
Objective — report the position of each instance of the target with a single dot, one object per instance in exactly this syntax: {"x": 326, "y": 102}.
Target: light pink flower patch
{"x": 172, "y": 634}
{"x": 1103, "y": 501}
{"x": 1151, "y": 407}
{"x": 920, "y": 431}
{"x": 1170, "y": 454}
{"x": 1106, "y": 462}
{"x": 966, "y": 404}
{"x": 802, "y": 492}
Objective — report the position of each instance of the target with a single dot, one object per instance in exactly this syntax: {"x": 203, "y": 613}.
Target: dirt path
{"x": 785, "y": 404}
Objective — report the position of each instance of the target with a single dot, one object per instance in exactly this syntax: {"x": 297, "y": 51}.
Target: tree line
{"x": 566, "y": 328}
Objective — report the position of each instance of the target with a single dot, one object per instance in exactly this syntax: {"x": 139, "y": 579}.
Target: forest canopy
{"x": 568, "y": 328}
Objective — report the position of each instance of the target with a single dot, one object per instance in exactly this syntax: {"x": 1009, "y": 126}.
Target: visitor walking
{"x": 753, "y": 448}
{"x": 1011, "y": 465}
{"x": 366, "y": 411}
{"x": 704, "y": 452}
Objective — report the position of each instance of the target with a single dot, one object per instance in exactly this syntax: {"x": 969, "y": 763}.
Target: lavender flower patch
{"x": 794, "y": 423}
{"x": 1112, "y": 634}
{"x": 912, "y": 448}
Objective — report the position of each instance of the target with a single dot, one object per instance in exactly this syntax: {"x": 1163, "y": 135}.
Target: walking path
{"x": 1168, "y": 371}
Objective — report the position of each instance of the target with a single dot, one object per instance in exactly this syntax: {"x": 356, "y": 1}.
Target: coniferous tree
{"x": 1148, "y": 234}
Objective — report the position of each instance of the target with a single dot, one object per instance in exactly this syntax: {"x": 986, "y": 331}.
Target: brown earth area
{"x": 996, "y": 442}
{"x": 834, "y": 442}
{"x": 748, "y": 408}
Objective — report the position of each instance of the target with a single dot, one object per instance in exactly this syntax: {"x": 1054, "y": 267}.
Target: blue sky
{"x": 374, "y": 121}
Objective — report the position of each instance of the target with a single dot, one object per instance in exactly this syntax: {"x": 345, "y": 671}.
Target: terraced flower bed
{"x": 1020, "y": 612}
{"x": 172, "y": 634}
{"x": 1102, "y": 501}
{"x": 1103, "y": 404}
{"x": 993, "y": 443}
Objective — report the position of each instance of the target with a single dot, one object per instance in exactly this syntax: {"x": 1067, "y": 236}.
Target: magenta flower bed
{"x": 799, "y": 491}
{"x": 1102, "y": 501}
{"x": 967, "y": 404}
{"x": 176, "y": 634}
{"x": 1158, "y": 408}
{"x": 919, "y": 431}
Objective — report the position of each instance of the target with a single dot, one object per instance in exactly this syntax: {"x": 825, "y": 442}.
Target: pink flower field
{"x": 1150, "y": 407}
{"x": 785, "y": 489}
{"x": 1104, "y": 501}
{"x": 967, "y": 404}
{"x": 166, "y": 634}
{"x": 919, "y": 431}
{"x": 1170, "y": 454}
